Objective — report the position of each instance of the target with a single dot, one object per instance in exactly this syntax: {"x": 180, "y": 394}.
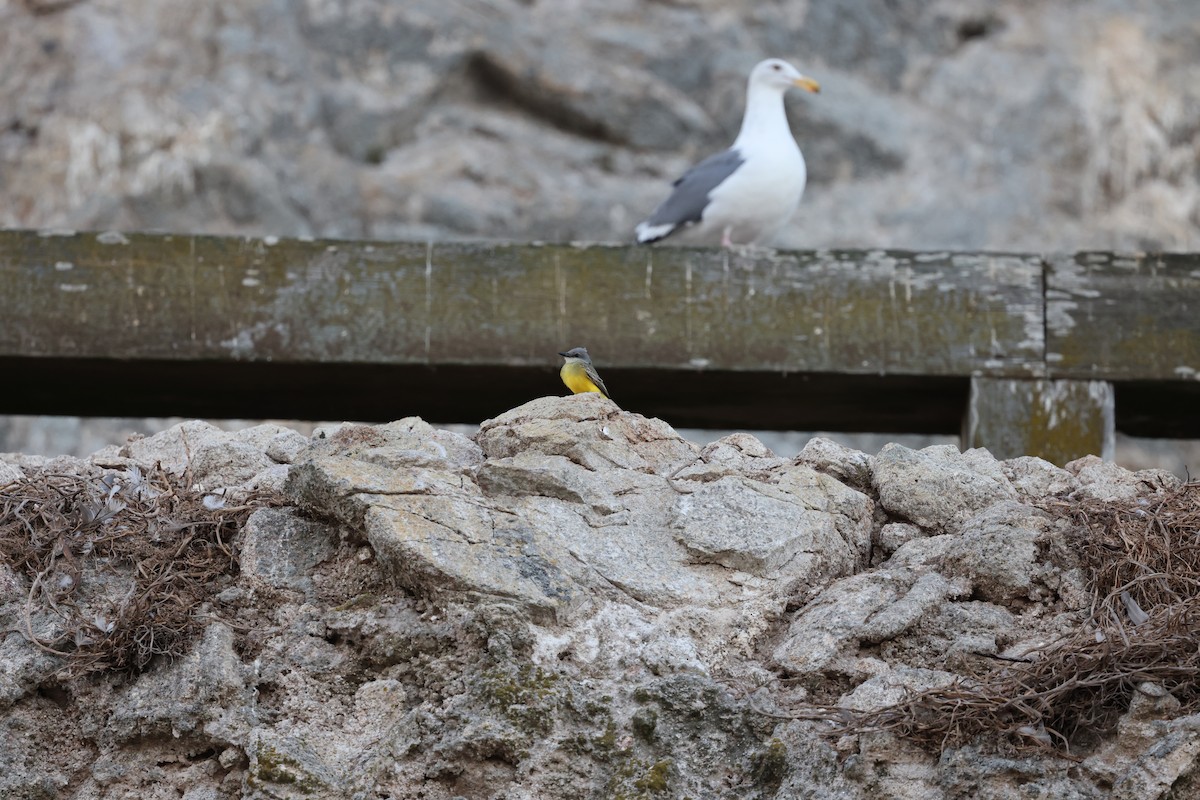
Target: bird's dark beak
{"x": 807, "y": 84}
{"x": 564, "y": 355}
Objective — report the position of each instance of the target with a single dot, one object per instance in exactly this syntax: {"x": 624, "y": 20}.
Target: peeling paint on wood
{"x": 1123, "y": 317}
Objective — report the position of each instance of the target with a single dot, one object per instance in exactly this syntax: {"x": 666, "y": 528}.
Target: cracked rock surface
{"x": 576, "y": 602}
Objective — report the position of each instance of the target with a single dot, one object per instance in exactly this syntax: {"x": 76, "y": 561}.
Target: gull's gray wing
{"x": 687, "y": 202}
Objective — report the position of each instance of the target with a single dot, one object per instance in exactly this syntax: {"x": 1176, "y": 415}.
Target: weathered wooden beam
{"x": 1120, "y": 317}
{"x": 847, "y": 340}
{"x": 1057, "y": 420}
{"x": 225, "y": 299}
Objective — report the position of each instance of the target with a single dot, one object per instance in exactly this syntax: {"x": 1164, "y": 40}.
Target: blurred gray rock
{"x": 9, "y": 473}
{"x": 519, "y": 121}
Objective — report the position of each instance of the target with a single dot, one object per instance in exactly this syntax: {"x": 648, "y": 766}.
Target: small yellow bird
{"x": 578, "y": 373}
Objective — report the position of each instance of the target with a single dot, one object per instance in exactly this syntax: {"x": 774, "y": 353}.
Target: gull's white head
{"x": 781, "y": 76}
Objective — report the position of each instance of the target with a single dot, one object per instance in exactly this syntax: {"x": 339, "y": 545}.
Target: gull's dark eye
{"x": 775, "y": 67}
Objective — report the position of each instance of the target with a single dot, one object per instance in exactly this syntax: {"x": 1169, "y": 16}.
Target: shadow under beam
{"x": 470, "y": 394}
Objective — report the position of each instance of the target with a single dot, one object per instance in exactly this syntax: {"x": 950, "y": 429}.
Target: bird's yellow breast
{"x": 574, "y": 375}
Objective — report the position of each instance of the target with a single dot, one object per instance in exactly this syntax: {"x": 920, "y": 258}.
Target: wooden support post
{"x": 1058, "y": 420}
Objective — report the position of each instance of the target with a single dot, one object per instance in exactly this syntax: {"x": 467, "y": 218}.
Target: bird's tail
{"x": 647, "y": 233}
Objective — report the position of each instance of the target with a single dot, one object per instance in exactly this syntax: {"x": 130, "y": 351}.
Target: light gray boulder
{"x": 846, "y": 464}
{"x": 938, "y": 487}
{"x": 895, "y": 535}
{"x": 208, "y": 693}
{"x": 215, "y": 458}
{"x": 736, "y": 454}
{"x": 1103, "y": 480}
{"x": 1000, "y": 551}
{"x": 762, "y": 530}
{"x": 1034, "y": 477}
{"x": 862, "y": 609}
{"x": 892, "y": 687}
{"x": 1155, "y": 747}
{"x": 280, "y": 549}
{"x": 591, "y": 431}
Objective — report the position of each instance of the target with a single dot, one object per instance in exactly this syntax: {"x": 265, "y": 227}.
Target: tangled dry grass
{"x": 1142, "y": 562}
{"x": 116, "y": 564}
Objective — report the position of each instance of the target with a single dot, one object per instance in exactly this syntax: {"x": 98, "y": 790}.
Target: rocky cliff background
{"x": 968, "y": 124}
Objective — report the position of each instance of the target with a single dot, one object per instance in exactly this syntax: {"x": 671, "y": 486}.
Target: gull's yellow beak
{"x": 807, "y": 84}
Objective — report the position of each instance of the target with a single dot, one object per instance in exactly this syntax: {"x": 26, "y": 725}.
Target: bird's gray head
{"x": 577, "y": 352}
{"x": 779, "y": 74}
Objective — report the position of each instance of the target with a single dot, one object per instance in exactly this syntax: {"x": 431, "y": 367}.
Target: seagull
{"x": 745, "y": 194}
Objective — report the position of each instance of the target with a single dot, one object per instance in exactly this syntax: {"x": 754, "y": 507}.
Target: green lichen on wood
{"x": 1058, "y": 420}
{"x": 1113, "y": 316}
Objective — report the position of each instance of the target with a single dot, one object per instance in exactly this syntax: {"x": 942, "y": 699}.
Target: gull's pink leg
{"x": 725, "y": 240}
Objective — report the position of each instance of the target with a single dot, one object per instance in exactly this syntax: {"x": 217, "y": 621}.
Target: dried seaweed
{"x": 1141, "y": 558}
{"x": 117, "y": 564}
